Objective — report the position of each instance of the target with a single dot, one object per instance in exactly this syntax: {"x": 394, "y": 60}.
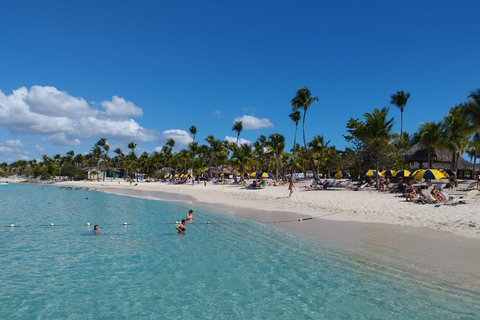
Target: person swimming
{"x": 95, "y": 229}
{"x": 190, "y": 215}
{"x": 181, "y": 227}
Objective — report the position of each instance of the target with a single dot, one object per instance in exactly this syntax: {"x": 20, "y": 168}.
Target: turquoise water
{"x": 232, "y": 268}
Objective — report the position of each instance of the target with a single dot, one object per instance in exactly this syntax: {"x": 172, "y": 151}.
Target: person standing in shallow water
{"x": 190, "y": 215}
{"x": 181, "y": 227}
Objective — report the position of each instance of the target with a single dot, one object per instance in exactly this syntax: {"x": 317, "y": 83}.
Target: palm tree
{"x": 238, "y": 127}
{"x": 377, "y": 130}
{"x": 193, "y": 132}
{"x": 276, "y": 142}
{"x": 431, "y": 136}
{"x": 303, "y": 100}
{"x": 319, "y": 148}
{"x": 295, "y": 116}
{"x": 242, "y": 159}
{"x": 458, "y": 129}
{"x": 400, "y": 100}
{"x": 193, "y": 145}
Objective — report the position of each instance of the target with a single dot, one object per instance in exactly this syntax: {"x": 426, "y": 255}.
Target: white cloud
{"x": 51, "y": 102}
{"x": 240, "y": 141}
{"x": 217, "y": 113}
{"x": 4, "y": 149}
{"x": 48, "y": 111}
{"x": 181, "y": 137}
{"x": 253, "y": 123}
{"x": 61, "y": 139}
{"x": 14, "y": 143}
{"x": 39, "y": 148}
{"x": 118, "y": 108}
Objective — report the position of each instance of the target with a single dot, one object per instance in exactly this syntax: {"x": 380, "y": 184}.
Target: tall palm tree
{"x": 193, "y": 145}
{"x": 377, "y": 130}
{"x": 276, "y": 142}
{"x": 400, "y": 100}
{"x": 432, "y": 137}
{"x": 238, "y": 127}
{"x": 193, "y": 132}
{"x": 303, "y": 100}
{"x": 295, "y": 116}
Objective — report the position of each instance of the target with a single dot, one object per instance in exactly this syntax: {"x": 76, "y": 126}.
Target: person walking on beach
{"x": 478, "y": 180}
{"x": 291, "y": 186}
{"x": 181, "y": 227}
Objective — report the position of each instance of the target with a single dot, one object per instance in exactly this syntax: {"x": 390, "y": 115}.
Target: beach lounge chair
{"x": 469, "y": 197}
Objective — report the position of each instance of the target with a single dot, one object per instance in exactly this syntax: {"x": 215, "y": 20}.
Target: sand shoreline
{"x": 444, "y": 247}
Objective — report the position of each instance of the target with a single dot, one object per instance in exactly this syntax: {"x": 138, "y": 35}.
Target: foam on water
{"x": 232, "y": 268}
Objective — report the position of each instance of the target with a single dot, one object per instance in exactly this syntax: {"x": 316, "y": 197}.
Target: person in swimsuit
{"x": 181, "y": 227}
{"x": 190, "y": 216}
{"x": 95, "y": 229}
{"x": 291, "y": 186}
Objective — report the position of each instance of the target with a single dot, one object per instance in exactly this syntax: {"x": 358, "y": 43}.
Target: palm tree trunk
{"x": 306, "y": 149}
{"x": 294, "y": 149}
{"x": 401, "y": 126}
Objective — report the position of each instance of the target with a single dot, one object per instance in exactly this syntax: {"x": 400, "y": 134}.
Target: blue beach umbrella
{"x": 431, "y": 174}
{"x": 403, "y": 174}
{"x": 264, "y": 175}
{"x": 340, "y": 174}
{"x": 370, "y": 173}
{"x": 390, "y": 173}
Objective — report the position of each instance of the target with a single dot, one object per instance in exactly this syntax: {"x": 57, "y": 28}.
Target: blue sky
{"x": 74, "y": 72}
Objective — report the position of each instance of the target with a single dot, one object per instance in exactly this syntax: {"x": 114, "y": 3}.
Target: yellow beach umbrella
{"x": 431, "y": 174}
{"x": 341, "y": 174}
{"x": 176, "y": 176}
{"x": 253, "y": 175}
{"x": 370, "y": 173}
{"x": 403, "y": 174}
{"x": 166, "y": 176}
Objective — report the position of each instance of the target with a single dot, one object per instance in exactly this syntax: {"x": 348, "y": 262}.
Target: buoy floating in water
{"x": 125, "y": 223}
{"x": 88, "y": 223}
{"x": 208, "y": 222}
{"x": 51, "y": 224}
{"x": 12, "y": 225}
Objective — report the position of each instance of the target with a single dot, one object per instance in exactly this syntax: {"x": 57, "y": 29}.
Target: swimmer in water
{"x": 95, "y": 229}
{"x": 190, "y": 216}
{"x": 181, "y": 227}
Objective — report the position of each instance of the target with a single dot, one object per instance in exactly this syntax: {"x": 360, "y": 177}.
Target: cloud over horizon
{"x": 66, "y": 120}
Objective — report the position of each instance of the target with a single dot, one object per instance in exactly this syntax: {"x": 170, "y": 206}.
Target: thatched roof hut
{"x": 417, "y": 156}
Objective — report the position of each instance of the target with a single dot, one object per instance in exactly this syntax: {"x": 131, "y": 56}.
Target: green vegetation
{"x": 371, "y": 145}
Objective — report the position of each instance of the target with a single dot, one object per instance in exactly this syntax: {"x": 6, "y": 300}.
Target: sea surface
{"x": 232, "y": 268}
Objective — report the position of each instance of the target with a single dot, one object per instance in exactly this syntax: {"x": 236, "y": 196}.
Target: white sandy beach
{"x": 334, "y": 204}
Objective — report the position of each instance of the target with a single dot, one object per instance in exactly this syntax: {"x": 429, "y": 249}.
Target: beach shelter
{"x": 431, "y": 174}
{"x": 403, "y": 174}
{"x": 341, "y": 174}
{"x": 370, "y": 173}
{"x": 264, "y": 175}
{"x": 253, "y": 174}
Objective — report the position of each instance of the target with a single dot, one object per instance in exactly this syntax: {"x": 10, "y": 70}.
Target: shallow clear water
{"x": 232, "y": 268}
